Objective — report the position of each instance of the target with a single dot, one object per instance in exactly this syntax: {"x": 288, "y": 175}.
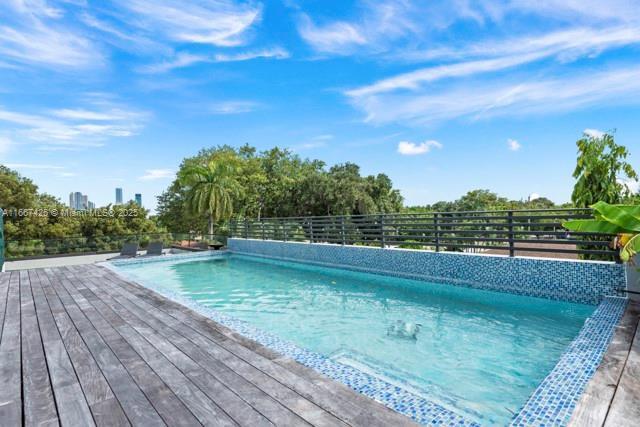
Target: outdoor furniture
{"x": 154, "y": 248}
{"x": 129, "y": 250}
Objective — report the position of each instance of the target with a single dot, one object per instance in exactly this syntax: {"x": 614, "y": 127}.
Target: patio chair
{"x": 154, "y": 249}
{"x": 129, "y": 250}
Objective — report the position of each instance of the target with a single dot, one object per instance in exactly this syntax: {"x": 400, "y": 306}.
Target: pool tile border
{"x": 585, "y": 282}
{"x": 555, "y": 399}
{"x": 551, "y": 404}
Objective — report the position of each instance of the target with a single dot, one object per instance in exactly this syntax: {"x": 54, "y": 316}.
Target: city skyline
{"x": 381, "y": 84}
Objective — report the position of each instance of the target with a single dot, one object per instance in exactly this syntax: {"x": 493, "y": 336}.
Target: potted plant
{"x": 624, "y": 222}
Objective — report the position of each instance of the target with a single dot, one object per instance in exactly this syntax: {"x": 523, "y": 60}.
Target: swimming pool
{"x": 477, "y": 353}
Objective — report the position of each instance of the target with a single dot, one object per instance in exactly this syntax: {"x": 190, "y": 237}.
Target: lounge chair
{"x": 129, "y": 250}
{"x": 154, "y": 248}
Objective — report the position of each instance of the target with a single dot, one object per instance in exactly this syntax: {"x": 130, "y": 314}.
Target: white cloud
{"x": 215, "y": 22}
{"x": 33, "y": 166}
{"x": 502, "y": 97}
{"x": 186, "y": 59}
{"x": 594, "y": 133}
{"x": 75, "y": 128}
{"x": 407, "y": 148}
{"x": 32, "y": 34}
{"x": 315, "y": 142}
{"x": 508, "y": 54}
{"x": 632, "y": 185}
{"x": 233, "y": 107}
{"x": 274, "y": 53}
{"x": 513, "y": 144}
{"x": 154, "y": 174}
{"x": 336, "y": 37}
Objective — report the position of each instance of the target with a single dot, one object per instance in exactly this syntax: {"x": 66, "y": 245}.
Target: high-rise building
{"x": 138, "y": 199}
{"x": 79, "y": 201}
{"x": 118, "y": 196}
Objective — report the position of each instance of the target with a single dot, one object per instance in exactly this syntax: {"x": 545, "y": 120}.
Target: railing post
{"x": 262, "y": 226}
{"x": 284, "y": 229}
{"x": 342, "y": 234}
{"x": 381, "y": 220}
{"x": 436, "y": 232}
{"x": 310, "y": 230}
{"x": 512, "y": 251}
{"x": 246, "y": 228}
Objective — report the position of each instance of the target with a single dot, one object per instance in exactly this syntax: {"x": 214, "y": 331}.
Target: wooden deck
{"x": 612, "y": 397}
{"x": 80, "y": 346}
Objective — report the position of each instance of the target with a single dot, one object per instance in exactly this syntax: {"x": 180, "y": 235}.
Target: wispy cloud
{"x": 513, "y": 144}
{"x": 186, "y": 59}
{"x": 407, "y": 148}
{"x": 74, "y": 128}
{"x": 214, "y": 22}
{"x": 34, "y": 166}
{"x": 501, "y": 97}
{"x": 510, "y": 53}
{"x": 233, "y": 107}
{"x": 336, "y": 37}
{"x": 318, "y": 141}
{"x": 155, "y": 174}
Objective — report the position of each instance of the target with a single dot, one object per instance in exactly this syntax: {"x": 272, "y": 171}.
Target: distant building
{"x": 80, "y": 202}
{"x": 118, "y": 196}
{"x": 138, "y": 198}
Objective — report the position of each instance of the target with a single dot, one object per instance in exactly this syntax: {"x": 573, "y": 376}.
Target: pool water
{"x": 478, "y": 353}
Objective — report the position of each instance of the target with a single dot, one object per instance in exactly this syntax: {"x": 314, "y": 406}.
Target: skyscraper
{"x": 139, "y": 199}
{"x": 118, "y": 196}
{"x": 79, "y": 201}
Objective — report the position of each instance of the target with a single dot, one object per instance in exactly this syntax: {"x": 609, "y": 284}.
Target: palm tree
{"x": 212, "y": 188}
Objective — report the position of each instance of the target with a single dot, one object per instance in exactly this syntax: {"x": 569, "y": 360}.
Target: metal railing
{"x": 511, "y": 232}
{"x": 79, "y": 245}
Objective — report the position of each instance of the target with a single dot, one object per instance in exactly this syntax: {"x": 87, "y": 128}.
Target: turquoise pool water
{"x": 478, "y": 353}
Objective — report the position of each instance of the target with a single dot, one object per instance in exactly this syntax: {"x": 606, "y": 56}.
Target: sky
{"x": 444, "y": 96}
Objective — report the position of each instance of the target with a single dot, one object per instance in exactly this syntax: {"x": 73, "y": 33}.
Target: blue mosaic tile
{"x": 554, "y": 400}
{"x": 584, "y": 282}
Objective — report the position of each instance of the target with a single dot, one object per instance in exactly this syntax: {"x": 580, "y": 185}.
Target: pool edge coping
{"x": 542, "y": 406}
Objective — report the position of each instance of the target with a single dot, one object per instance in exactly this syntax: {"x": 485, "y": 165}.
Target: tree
{"x": 212, "y": 187}
{"x": 601, "y": 171}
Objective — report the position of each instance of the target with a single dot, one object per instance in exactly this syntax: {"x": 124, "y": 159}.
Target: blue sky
{"x": 443, "y": 96}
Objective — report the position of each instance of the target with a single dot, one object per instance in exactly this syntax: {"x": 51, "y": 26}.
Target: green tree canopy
{"x": 601, "y": 171}
{"x": 278, "y": 183}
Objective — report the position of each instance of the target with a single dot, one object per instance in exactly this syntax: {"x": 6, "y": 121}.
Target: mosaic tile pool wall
{"x": 585, "y": 282}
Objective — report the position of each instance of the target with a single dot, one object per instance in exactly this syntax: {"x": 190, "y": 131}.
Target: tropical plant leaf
{"x": 630, "y": 249}
{"x": 592, "y": 226}
{"x": 627, "y": 217}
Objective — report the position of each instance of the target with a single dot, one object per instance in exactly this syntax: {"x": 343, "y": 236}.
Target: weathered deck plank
{"x": 10, "y": 358}
{"x": 625, "y": 407}
{"x": 37, "y": 393}
{"x": 593, "y": 407}
{"x": 138, "y": 409}
{"x": 84, "y": 396}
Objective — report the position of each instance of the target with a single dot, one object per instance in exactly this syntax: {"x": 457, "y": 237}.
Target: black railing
{"x": 512, "y": 232}
{"x": 38, "y": 248}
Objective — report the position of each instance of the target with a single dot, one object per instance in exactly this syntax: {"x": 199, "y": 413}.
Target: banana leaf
{"x": 627, "y": 217}
{"x": 592, "y": 226}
